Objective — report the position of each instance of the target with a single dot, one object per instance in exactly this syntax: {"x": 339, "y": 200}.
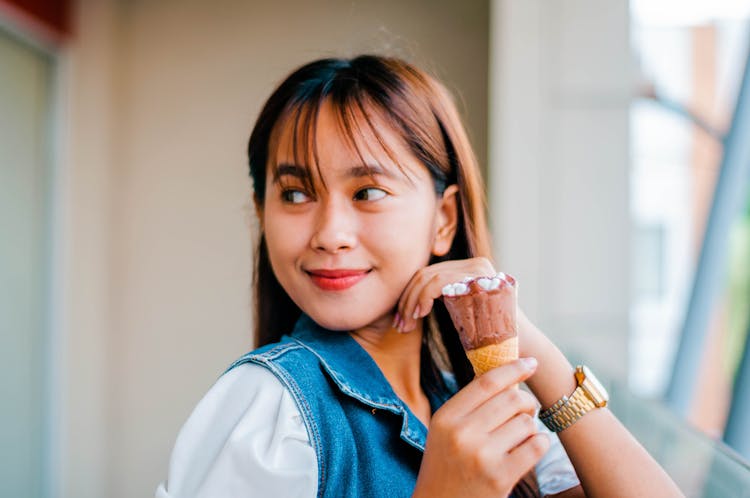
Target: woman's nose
{"x": 335, "y": 228}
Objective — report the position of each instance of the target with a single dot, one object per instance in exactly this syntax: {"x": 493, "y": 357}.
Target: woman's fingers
{"x": 515, "y": 447}
{"x": 419, "y": 302}
{"x": 525, "y": 455}
{"x": 426, "y": 285}
{"x": 513, "y": 433}
{"x": 483, "y": 439}
{"x": 407, "y": 305}
{"x": 502, "y": 407}
{"x": 482, "y": 388}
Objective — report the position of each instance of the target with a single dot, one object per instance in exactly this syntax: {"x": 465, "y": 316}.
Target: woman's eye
{"x": 294, "y": 196}
{"x": 370, "y": 194}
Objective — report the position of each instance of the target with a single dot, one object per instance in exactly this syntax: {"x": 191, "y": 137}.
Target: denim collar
{"x": 356, "y": 374}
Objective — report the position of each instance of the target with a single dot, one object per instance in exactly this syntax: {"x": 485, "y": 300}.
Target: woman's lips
{"x": 336, "y": 280}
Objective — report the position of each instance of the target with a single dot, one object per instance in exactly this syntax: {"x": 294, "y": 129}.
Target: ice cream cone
{"x": 494, "y": 355}
{"x": 483, "y": 311}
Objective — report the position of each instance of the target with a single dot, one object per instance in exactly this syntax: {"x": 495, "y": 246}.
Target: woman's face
{"x": 345, "y": 252}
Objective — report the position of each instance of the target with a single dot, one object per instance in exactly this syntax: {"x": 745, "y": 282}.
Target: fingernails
{"x": 396, "y": 319}
{"x": 530, "y": 363}
{"x": 416, "y": 313}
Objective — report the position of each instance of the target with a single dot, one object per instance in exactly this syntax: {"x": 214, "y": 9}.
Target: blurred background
{"x": 614, "y": 141}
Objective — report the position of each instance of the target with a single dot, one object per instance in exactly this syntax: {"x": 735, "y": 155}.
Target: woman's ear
{"x": 259, "y": 214}
{"x": 446, "y": 221}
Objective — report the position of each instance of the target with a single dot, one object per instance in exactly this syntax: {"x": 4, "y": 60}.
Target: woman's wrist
{"x": 598, "y": 443}
{"x": 554, "y": 376}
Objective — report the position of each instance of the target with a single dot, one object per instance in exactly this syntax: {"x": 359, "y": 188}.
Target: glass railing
{"x": 701, "y": 466}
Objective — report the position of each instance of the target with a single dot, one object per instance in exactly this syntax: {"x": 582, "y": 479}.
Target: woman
{"x": 370, "y": 201}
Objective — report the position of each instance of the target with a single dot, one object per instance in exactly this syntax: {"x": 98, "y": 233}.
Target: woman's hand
{"x": 427, "y": 285}
{"x": 484, "y": 439}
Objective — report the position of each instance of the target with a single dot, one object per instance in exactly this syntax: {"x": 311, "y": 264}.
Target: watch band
{"x": 552, "y": 409}
{"x": 570, "y": 409}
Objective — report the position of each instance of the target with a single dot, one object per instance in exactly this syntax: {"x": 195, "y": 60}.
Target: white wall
{"x": 163, "y": 97}
{"x": 86, "y": 95}
{"x": 561, "y": 78}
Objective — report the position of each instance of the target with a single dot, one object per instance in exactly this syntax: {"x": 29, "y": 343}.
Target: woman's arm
{"x": 607, "y": 458}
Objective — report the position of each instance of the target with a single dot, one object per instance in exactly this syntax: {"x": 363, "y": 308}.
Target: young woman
{"x": 370, "y": 201}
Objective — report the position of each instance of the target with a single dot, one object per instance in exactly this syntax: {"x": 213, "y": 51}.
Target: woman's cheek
{"x": 411, "y": 226}
{"x": 284, "y": 240}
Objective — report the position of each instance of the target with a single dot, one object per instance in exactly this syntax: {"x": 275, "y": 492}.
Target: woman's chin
{"x": 346, "y": 322}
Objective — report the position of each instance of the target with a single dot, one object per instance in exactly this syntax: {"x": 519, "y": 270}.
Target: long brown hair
{"x": 422, "y": 112}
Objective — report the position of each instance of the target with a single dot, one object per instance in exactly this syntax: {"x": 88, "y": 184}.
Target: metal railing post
{"x": 736, "y": 433}
{"x": 730, "y": 198}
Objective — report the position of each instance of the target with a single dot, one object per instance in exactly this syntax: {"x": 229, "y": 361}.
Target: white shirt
{"x": 246, "y": 437}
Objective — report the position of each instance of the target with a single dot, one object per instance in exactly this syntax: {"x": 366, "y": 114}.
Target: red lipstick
{"x": 336, "y": 280}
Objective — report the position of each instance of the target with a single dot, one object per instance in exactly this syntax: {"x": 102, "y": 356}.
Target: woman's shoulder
{"x": 262, "y": 355}
{"x": 243, "y": 396}
{"x": 247, "y": 418}
{"x": 246, "y": 381}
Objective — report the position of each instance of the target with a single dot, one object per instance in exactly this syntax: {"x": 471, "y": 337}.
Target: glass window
{"x": 691, "y": 57}
{"x": 25, "y": 111}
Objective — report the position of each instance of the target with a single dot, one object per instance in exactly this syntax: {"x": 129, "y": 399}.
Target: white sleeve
{"x": 245, "y": 438}
{"x": 554, "y": 472}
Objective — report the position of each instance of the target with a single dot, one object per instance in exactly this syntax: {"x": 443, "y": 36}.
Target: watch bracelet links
{"x": 552, "y": 409}
{"x": 570, "y": 410}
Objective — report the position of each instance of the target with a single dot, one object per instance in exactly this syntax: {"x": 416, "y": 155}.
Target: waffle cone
{"x": 494, "y": 355}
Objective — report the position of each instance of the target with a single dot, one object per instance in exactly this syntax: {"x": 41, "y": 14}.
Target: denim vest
{"x": 367, "y": 441}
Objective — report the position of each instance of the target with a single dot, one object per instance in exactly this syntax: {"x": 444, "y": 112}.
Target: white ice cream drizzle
{"x": 487, "y": 283}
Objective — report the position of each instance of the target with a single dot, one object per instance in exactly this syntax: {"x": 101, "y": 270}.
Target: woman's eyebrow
{"x": 284, "y": 169}
{"x": 359, "y": 171}
{"x": 367, "y": 170}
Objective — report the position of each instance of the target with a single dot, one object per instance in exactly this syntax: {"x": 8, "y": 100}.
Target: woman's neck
{"x": 399, "y": 358}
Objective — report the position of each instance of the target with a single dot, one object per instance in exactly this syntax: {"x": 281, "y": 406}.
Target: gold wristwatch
{"x": 588, "y": 395}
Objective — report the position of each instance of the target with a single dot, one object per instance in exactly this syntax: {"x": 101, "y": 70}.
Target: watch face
{"x": 595, "y": 388}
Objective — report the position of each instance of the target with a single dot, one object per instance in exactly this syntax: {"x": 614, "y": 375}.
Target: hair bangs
{"x": 299, "y": 121}
{"x": 355, "y": 113}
